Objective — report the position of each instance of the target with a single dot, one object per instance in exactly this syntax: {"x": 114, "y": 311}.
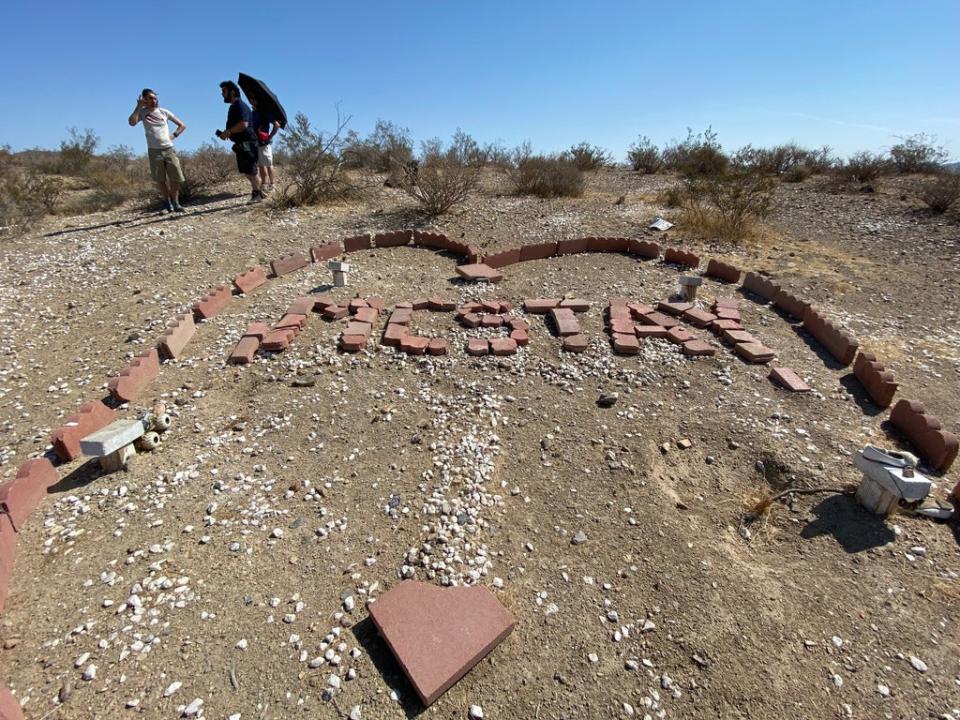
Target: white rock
{"x": 476, "y": 712}
{"x": 918, "y": 664}
{"x": 172, "y": 688}
{"x": 334, "y": 682}
{"x": 242, "y": 644}
{"x": 193, "y": 708}
{"x": 90, "y": 673}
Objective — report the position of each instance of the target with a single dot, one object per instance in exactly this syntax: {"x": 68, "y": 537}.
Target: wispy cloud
{"x": 841, "y": 123}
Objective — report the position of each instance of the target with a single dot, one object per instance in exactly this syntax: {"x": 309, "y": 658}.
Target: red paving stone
{"x": 728, "y": 303}
{"x": 578, "y": 306}
{"x": 503, "y": 346}
{"x": 875, "y": 378}
{"x": 250, "y": 279}
{"x": 213, "y": 302}
{"x": 622, "y": 325}
{"x": 477, "y": 347}
{"x": 21, "y": 496}
{"x": 658, "y": 318}
{"x": 737, "y": 336}
{"x": 438, "y": 346}
{"x": 377, "y": 303}
{"x": 9, "y": 705}
{"x": 244, "y": 351}
{"x": 439, "y": 304}
{"x": 279, "y": 340}
{"x": 352, "y": 343}
{"x": 319, "y": 253}
{"x": 91, "y": 416}
{"x": 540, "y": 306}
{"x": 565, "y": 321}
{"x": 8, "y": 555}
{"x": 626, "y": 344}
{"x": 127, "y": 386}
{"x": 521, "y": 337}
{"x": 680, "y": 335}
{"x": 674, "y": 308}
{"x": 367, "y": 315}
{"x": 288, "y": 264}
{"x": 789, "y": 379}
{"x": 491, "y": 321}
{"x": 438, "y": 634}
{"x": 421, "y": 304}
{"x": 698, "y": 348}
{"x": 649, "y": 331}
{"x": 575, "y": 343}
{"x": 357, "y": 303}
{"x": 518, "y": 324}
{"x": 718, "y": 326}
{"x": 754, "y": 352}
{"x": 728, "y": 314}
{"x": 358, "y": 328}
{"x": 936, "y": 447}
{"x": 303, "y": 305}
{"x": 357, "y": 242}
{"x": 401, "y": 316}
{"x": 489, "y": 306}
{"x": 472, "y": 320}
{"x": 699, "y": 318}
{"x": 335, "y": 312}
{"x": 619, "y": 312}
{"x": 414, "y": 344}
{"x": 479, "y": 271}
{"x": 393, "y": 334}
{"x": 291, "y": 321}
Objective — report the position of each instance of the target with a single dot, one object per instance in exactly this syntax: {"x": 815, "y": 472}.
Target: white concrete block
{"x": 111, "y": 438}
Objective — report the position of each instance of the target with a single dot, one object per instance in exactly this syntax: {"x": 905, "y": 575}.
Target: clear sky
{"x": 852, "y": 75}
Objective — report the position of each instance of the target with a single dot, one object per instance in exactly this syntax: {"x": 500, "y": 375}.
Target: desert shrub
{"x": 26, "y": 196}
{"x": 673, "y": 196}
{"x": 698, "y": 155}
{"x": 789, "y": 161}
{"x": 918, "y": 153}
{"x": 204, "y": 170}
{"x": 725, "y": 206}
{"x": 384, "y": 149}
{"x": 644, "y": 156}
{"x": 863, "y": 167}
{"x": 545, "y": 176}
{"x": 941, "y": 192}
{"x": 496, "y": 154}
{"x": 77, "y": 151}
{"x": 316, "y": 166}
{"x": 442, "y": 177}
{"x": 797, "y": 173}
{"x": 587, "y": 157}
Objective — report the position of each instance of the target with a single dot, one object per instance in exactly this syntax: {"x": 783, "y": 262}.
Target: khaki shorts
{"x": 165, "y": 165}
{"x": 265, "y": 155}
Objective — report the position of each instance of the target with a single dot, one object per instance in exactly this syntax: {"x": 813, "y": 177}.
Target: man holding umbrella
{"x": 240, "y": 130}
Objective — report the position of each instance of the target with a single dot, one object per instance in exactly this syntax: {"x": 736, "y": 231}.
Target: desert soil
{"x": 174, "y": 571}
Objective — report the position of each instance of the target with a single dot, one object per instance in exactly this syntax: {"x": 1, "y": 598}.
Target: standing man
{"x": 164, "y": 163}
{"x": 266, "y": 127}
{"x": 240, "y": 131}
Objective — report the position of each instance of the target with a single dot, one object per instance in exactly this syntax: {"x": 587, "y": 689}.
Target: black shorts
{"x": 246, "y": 157}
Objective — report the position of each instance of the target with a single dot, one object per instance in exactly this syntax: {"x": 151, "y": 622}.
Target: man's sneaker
{"x": 177, "y": 207}
{"x": 167, "y": 207}
{"x": 255, "y": 197}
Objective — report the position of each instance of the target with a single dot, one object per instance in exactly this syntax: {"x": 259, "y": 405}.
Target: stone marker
{"x": 438, "y": 634}
{"x": 339, "y": 270}
{"x": 111, "y": 438}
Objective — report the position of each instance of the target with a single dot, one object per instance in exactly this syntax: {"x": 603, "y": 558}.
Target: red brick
{"x": 491, "y": 321}
{"x": 728, "y": 303}
{"x": 505, "y": 306}
{"x": 279, "y": 340}
{"x": 680, "y": 335}
{"x": 402, "y": 316}
{"x": 503, "y": 346}
{"x": 479, "y": 271}
{"x": 9, "y": 705}
{"x": 244, "y": 351}
{"x": 578, "y": 306}
{"x": 319, "y": 253}
{"x": 540, "y": 306}
{"x": 728, "y": 314}
{"x": 431, "y": 240}
{"x": 734, "y": 337}
{"x": 876, "y": 380}
{"x": 644, "y": 249}
{"x": 617, "y": 302}
{"x": 357, "y": 328}
{"x": 176, "y": 336}
{"x": 789, "y": 379}
{"x": 572, "y": 247}
{"x": 257, "y": 330}
{"x": 754, "y": 352}
{"x": 127, "y": 386}
{"x": 302, "y": 305}
{"x": 288, "y": 264}
{"x": 565, "y": 321}
{"x": 478, "y": 346}
{"x": 699, "y": 318}
{"x": 420, "y": 304}
{"x": 213, "y": 302}
{"x": 352, "y": 343}
{"x": 8, "y": 556}
{"x": 377, "y": 304}
{"x": 625, "y": 344}
{"x": 790, "y": 304}
{"x": 622, "y": 325}
{"x": 414, "y": 344}
{"x": 91, "y": 416}
{"x": 438, "y": 634}
{"x": 638, "y": 309}
{"x": 397, "y": 238}
{"x": 575, "y": 343}
{"x": 935, "y": 446}
{"x": 438, "y": 346}
{"x": 250, "y": 279}
{"x": 680, "y": 257}
{"x": 502, "y": 259}
{"x": 472, "y": 320}
{"x": 291, "y": 321}
{"x": 357, "y": 242}
{"x": 646, "y": 331}
{"x": 322, "y": 302}
{"x": 759, "y": 285}
{"x": 539, "y": 251}
{"x": 723, "y": 271}
{"x": 393, "y": 334}
{"x": 698, "y": 348}
{"x": 438, "y": 304}
{"x": 357, "y": 303}
{"x": 718, "y": 326}
{"x": 473, "y": 254}
{"x": 673, "y": 308}
{"x": 367, "y": 315}
{"x": 521, "y": 337}
{"x": 335, "y": 312}
{"x": 490, "y": 306}
{"x": 838, "y": 343}
{"x": 21, "y": 496}
{"x": 608, "y": 244}
{"x": 518, "y": 324}
{"x": 657, "y": 318}
{"x": 618, "y": 312}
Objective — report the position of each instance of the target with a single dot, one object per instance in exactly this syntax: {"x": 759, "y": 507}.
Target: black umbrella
{"x": 267, "y": 102}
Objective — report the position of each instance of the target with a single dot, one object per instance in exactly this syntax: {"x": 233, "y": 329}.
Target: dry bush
{"x": 544, "y": 176}
{"x": 204, "y": 170}
{"x": 863, "y": 167}
{"x": 644, "y": 156}
{"x": 316, "y": 167}
{"x": 789, "y": 161}
{"x": 26, "y": 195}
{"x": 113, "y": 178}
{"x": 442, "y": 177}
{"x": 918, "y": 153}
{"x": 726, "y": 206}
{"x": 77, "y": 152}
{"x": 672, "y": 197}
{"x": 496, "y": 154}
{"x": 587, "y": 157}
{"x": 941, "y": 192}
{"x": 384, "y": 149}
{"x": 698, "y": 155}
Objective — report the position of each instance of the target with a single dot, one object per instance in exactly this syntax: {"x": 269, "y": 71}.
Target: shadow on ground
{"x": 860, "y": 397}
{"x": 386, "y": 664}
{"x": 854, "y": 528}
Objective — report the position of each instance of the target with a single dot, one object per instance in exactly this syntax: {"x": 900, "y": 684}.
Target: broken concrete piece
{"x": 438, "y": 634}
{"x": 889, "y": 479}
{"x": 660, "y": 224}
{"x": 114, "y": 436}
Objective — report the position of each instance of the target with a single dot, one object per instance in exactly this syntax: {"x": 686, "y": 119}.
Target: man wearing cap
{"x": 164, "y": 163}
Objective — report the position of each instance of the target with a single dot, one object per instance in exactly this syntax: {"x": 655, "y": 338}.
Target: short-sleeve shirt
{"x": 155, "y": 127}
{"x": 240, "y": 112}
{"x": 261, "y": 123}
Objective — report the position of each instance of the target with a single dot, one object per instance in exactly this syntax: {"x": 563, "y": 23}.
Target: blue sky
{"x": 852, "y": 75}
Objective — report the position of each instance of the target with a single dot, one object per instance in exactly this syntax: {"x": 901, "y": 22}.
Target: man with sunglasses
{"x": 164, "y": 163}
